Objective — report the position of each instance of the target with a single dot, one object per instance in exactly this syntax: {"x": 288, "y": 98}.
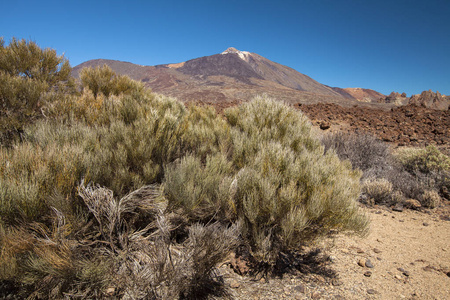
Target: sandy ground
{"x": 409, "y": 252}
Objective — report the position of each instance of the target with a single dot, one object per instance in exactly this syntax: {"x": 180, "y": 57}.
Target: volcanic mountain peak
{"x": 232, "y": 75}
{"x": 242, "y": 54}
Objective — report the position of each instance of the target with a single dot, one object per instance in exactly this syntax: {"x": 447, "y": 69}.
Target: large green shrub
{"x": 27, "y": 75}
{"x": 276, "y": 181}
{"x": 123, "y": 144}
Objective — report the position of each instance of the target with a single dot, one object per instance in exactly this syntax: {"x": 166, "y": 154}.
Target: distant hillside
{"x": 234, "y": 76}
{"x": 365, "y": 95}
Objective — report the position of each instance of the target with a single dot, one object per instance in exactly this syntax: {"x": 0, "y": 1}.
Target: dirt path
{"x": 409, "y": 251}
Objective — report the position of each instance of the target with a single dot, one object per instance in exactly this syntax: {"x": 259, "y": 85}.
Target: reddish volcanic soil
{"x": 405, "y": 125}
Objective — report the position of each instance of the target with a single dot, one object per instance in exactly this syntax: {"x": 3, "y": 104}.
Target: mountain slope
{"x": 229, "y": 77}
{"x": 360, "y": 94}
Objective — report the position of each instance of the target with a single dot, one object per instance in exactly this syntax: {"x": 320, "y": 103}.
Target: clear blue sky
{"x": 395, "y": 45}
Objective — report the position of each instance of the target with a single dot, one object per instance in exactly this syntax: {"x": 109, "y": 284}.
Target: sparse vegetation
{"x": 114, "y": 191}
{"x": 365, "y": 152}
{"x": 431, "y": 199}
{"x": 378, "y": 191}
{"x": 409, "y": 172}
{"x": 426, "y": 160}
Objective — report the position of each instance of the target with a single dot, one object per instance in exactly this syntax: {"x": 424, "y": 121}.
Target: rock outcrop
{"x": 432, "y": 100}
{"x": 396, "y": 98}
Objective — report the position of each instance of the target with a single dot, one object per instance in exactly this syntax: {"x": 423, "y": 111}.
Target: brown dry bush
{"x": 378, "y": 191}
{"x": 116, "y": 249}
{"x": 365, "y": 152}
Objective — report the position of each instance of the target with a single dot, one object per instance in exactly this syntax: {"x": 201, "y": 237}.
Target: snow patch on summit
{"x": 242, "y": 54}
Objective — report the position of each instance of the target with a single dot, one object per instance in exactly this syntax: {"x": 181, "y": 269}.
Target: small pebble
{"x": 398, "y": 208}
{"x": 368, "y": 274}
{"x": 425, "y": 224}
{"x": 371, "y": 291}
{"x": 369, "y": 264}
{"x": 398, "y": 277}
{"x": 376, "y": 250}
{"x": 362, "y": 262}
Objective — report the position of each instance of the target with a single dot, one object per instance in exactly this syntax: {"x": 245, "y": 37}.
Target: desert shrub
{"x": 201, "y": 189}
{"x": 431, "y": 199}
{"x": 425, "y": 160}
{"x": 29, "y": 175}
{"x": 205, "y": 132}
{"x": 264, "y": 119}
{"x": 27, "y": 74}
{"x": 378, "y": 191}
{"x": 277, "y": 182}
{"x": 429, "y": 166}
{"x": 410, "y": 171}
{"x": 89, "y": 261}
{"x": 103, "y": 80}
{"x": 260, "y": 167}
{"x": 123, "y": 148}
{"x": 397, "y": 197}
{"x": 100, "y": 109}
{"x": 365, "y": 152}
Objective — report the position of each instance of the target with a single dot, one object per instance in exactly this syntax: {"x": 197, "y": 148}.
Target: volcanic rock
{"x": 432, "y": 100}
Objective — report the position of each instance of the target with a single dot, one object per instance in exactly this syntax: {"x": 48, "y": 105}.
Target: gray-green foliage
{"x": 259, "y": 167}
{"x": 121, "y": 142}
{"x": 276, "y": 181}
{"x": 426, "y": 160}
{"x": 27, "y": 75}
{"x": 103, "y": 80}
{"x": 121, "y": 153}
